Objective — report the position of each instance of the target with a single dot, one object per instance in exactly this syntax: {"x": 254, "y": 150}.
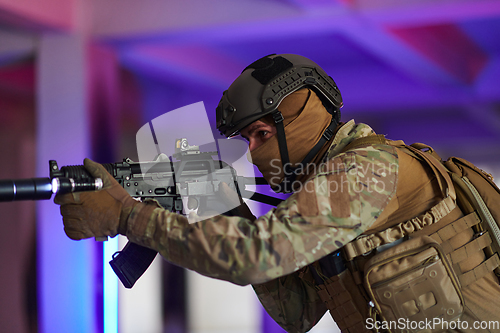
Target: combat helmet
{"x": 263, "y": 85}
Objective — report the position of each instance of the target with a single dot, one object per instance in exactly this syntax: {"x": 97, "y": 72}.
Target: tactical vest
{"x": 414, "y": 269}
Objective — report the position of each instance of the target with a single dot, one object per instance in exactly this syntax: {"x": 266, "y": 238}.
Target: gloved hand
{"x": 98, "y": 213}
{"x": 234, "y": 200}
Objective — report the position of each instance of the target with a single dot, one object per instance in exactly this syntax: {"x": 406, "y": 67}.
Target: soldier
{"x": 355, "y": 194}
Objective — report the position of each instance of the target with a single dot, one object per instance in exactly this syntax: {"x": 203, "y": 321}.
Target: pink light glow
{"x": 447, "y": 46}
{"x": 41, "y": 13}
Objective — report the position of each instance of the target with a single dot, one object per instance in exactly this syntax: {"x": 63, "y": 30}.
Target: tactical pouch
{"x": 413, "y": 282}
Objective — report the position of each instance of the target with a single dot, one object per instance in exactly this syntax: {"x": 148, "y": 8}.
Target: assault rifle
{"x": 189, "y": 184}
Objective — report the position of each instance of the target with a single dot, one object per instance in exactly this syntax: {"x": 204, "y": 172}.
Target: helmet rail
{"x": 262, "y": 86}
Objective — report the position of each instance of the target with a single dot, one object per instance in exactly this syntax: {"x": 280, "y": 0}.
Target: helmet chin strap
{"x": 286, "y": 186}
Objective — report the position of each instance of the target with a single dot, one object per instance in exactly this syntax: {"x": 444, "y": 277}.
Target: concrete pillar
{"x": 66, "y": 281}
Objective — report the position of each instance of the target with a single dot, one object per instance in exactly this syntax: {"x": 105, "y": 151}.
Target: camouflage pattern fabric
{"x": 344, "y": 197}
{"x": 292, "y": 300}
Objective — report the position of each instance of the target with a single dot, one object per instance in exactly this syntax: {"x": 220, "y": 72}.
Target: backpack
{"x": 474, "y": 188}
{"x": 392, "y": 279}
{"x": 477, "y": 192}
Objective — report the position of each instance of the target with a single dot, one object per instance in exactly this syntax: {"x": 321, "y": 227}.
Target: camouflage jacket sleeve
{"x": 344, "y": 197}
{"x": 292, "y": 301}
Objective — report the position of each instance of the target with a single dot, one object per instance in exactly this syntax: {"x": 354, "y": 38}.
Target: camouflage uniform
{"x": 341, "y": 200}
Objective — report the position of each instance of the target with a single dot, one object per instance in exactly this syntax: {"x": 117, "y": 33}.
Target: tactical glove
{"x": 234, "y": 200}
{"x": 98, "y": 213}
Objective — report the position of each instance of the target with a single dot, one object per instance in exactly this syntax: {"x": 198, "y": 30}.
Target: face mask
{"x": 305, "y": 119}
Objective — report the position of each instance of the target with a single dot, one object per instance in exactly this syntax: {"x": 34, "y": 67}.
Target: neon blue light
{"x": 110, "y": 286}
{"x": 65, "y": 279}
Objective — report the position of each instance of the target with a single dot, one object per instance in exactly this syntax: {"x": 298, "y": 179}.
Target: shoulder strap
{"x": 437, "y": 167}
{"x": 366, "y": 141}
